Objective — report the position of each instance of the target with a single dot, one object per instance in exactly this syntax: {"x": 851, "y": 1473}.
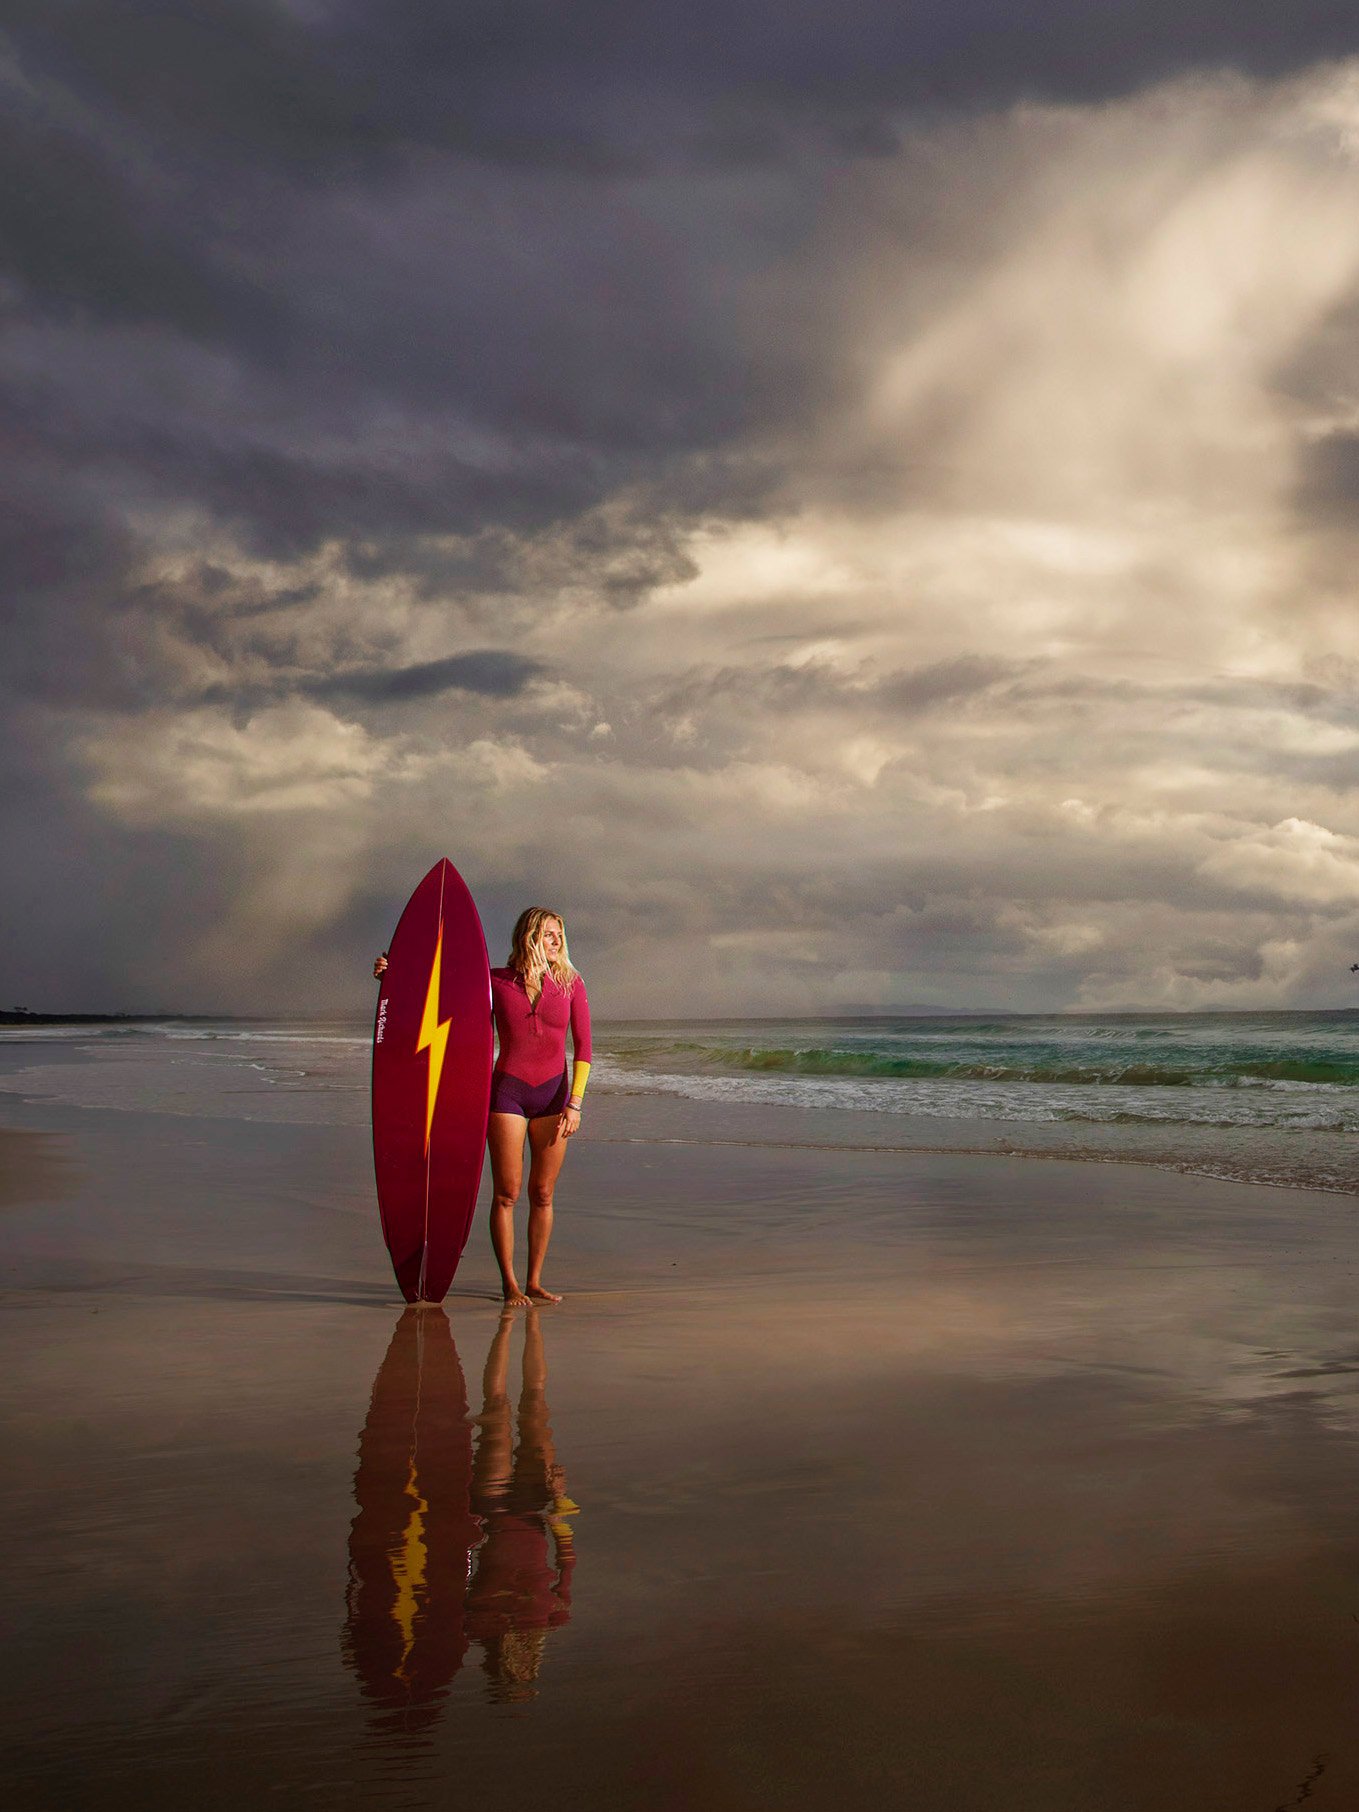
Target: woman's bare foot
{"x": 515, "y": 1297}
{"x": 536, "y": 1293}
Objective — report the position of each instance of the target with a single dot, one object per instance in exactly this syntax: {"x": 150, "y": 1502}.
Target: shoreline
{"x": 746, "y": 1126}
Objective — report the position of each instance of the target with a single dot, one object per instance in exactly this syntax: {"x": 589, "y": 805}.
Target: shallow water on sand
{"x": 841, "y": 1476}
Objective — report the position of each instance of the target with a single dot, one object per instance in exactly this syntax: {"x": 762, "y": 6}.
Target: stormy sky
{"x": 853, "y": 505}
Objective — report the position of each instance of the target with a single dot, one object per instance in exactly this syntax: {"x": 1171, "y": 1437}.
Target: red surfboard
{"x": 432, "y": 1052}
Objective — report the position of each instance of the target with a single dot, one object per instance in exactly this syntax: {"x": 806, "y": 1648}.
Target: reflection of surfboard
{"x": 405, "y": 1633}
{"x": 432, "y": 1082}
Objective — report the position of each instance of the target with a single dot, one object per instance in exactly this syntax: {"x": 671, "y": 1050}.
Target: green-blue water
{"x": 1228, "y": 1068}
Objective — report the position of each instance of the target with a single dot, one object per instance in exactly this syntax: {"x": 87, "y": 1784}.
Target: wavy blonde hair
{"x": 527, "y": 956}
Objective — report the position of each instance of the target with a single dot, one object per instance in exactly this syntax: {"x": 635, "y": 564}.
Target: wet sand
{"x": 842, "y": 1476}
{"x": 34, "y": 1167}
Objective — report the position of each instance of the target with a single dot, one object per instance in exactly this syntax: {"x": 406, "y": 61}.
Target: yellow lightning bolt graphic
{"x": 433, "y": 1035}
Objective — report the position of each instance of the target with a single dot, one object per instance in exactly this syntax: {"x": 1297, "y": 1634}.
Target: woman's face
{"x": 552, "y": 939}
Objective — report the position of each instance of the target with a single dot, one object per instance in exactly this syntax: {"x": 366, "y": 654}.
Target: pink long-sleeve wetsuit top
{"x": 532, "y": 1035}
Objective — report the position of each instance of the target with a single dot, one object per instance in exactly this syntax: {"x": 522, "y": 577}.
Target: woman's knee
{"x": 502, "y": 1200}
{"x": 539, "y": 1196}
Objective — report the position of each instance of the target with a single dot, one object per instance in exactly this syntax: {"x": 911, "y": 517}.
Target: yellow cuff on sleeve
{"x": 579, "y": 1075}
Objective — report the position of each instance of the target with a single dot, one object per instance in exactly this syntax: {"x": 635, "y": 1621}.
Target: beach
{"x": 846, "y": 1471}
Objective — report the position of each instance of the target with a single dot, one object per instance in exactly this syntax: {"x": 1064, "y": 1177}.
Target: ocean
{"x": 1253, "y": 1097}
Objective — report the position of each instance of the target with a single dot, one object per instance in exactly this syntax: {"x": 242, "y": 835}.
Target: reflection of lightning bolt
{"x": 409, "y": 1564}
{"x": 433, "y": 1035}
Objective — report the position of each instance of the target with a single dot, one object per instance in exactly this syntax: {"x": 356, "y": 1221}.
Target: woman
{"x": 535, "y": 999}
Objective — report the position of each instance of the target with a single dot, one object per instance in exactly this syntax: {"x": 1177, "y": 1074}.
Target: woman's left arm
{"x": 581, "y": 1048}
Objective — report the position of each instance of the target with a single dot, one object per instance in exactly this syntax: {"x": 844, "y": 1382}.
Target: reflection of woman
{"x": 517, "y": 1594}
{"x": 536, "y": 998}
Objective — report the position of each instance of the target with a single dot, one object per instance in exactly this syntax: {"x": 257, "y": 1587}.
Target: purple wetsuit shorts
{"x": 511, "y": 1096}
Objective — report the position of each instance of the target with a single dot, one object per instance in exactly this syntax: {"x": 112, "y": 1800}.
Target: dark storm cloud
{"x": 80, "y": 233}
{"x": 420, "y": 345}
{"x": 814, "y": 684}
{"x": 1328, "y": 489}
{"x": 491, "y": 672}
{"x": 943, "y": 682}
{"x": 1042, "y": 686}
{"x": 485, "y": 672}
{"x": 62, "y": 559}
{"x": 604, "y": 85}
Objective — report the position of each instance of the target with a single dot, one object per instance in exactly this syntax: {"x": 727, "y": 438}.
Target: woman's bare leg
{"x": 547, "y": 1149}
{"x": 505, "y": 1143}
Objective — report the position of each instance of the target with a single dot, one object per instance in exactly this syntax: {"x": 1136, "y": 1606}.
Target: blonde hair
{"x": 527, "y": 956}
